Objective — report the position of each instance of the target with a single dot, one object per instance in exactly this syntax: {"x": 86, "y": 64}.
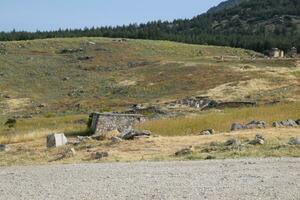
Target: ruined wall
{"x": 104, "y": 122}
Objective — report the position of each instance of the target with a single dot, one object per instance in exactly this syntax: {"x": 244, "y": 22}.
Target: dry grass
{"x": 221, "y": 120}
{"x": 38, "y": 127}
{"x": 153, "y": 148}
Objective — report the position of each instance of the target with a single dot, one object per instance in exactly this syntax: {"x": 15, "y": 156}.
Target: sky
{"x": 32, "y": 15}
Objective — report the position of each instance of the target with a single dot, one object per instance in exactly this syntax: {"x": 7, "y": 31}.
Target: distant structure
{"x": 276, "y": 53}
{"x": 292, "y": 52}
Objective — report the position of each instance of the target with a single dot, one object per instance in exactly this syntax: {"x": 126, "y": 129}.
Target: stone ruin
{"x": 105, "y": 122}
{"x": 204, "y": 103}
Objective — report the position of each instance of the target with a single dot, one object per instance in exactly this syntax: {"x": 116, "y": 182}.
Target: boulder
{"x": 56, "y": 140}
{"x": 185, "y": 151}
{"x": 237, "y": 126}
{"x": 255, "y": 124}
{"x": 258, "y": 140}
{"x": 208, "y": 132}
{"x": 277, "y": 124}
{"x": 298, "y": 122}
{"x": 3, "y": 147}
{"x": 287, "y": 123}
{"x": 130, "y": 135}
{"x": 294, "y": 141}
{"x": 99, "y": 155}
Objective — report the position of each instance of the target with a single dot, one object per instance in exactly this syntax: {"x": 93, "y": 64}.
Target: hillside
{"x": 252, "y": 24}
{"x": 85, "y": 74}
{"x": 96, "y": 73}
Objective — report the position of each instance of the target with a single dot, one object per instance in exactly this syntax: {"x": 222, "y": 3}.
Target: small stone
{"x": 210, "y": 157}
{"x": 56, "y": 140}
{"x": 207, "y": 132}
{"x": 294, "y": 141}
{"x": 99, "y": 155}
{"x": 4, "y": 147}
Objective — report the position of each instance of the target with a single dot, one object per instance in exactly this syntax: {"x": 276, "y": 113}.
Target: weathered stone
{"x": 185, "y": 151}
{"x": 294, "y": 141}
{"x": 287, "y": 123}
{"x": 4, "y": 147}
{"x": 232, "y": 142}
{"x": 277, "y": 124}
{"x": 99, "y": 155}
{"x": 130, "y": 135}
{"x": 258, "y": 140}
{"x": 236, "y": 126}
{"x": 207, "y": 132}
{"x": 255, "y": 124}
{"x": 56, "y": 140}
{"x": 116, "y": 139}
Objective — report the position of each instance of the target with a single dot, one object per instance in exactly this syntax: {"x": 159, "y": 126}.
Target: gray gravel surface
{"x": 215, "y": 179}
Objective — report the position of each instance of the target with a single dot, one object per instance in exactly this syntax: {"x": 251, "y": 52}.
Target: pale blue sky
{"x": 30, "y": 15}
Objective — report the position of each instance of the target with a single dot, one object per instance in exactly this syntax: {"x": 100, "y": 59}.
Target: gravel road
{"x": 215, "y": 179}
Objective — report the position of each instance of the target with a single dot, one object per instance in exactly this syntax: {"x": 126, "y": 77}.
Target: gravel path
{"x": 216, "y": 179}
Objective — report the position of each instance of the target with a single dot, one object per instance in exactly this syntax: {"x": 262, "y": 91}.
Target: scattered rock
{"x": 11, "y": 122}
{"x": 66, "y": 78}
{"x": 255, "y": 124}
{"x": 56, "y": 140}
{"x": 4, "y": 147}
{"x": 251, "y": 125}
{"x": 232, "y": 142}
{"x": 208, "y": 132}
{"x": 287, "y": 123}
{"x": 99, "y": 155}
{"x": 210, "y": 157}
{"x": 237, "y": 126}
{"x": 294, "y": 141}
{"x": 185, "y": 151}
{"x": 258, "y": 140}
{"x": 116, "y": 139}
{"x": 277, "y": 124}
{"x": 130, "y": 135}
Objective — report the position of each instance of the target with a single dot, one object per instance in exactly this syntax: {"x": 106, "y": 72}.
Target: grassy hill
{"x": 59, "y": 81}
{"x": 55, "y": 75}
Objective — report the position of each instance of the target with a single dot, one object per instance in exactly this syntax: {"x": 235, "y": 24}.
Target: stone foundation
{"x": 105, "y": 122}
